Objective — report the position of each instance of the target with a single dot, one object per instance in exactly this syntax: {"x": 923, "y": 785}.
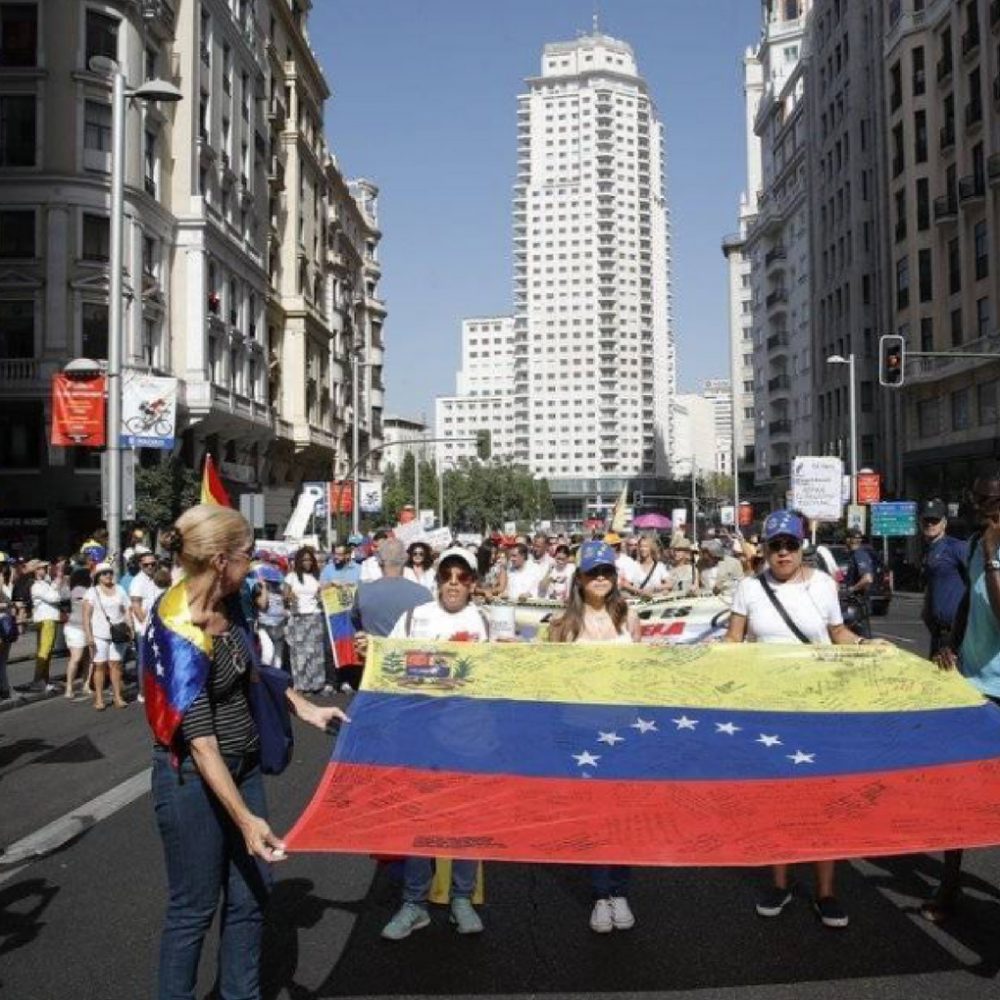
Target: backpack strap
{"x": 780, "y": 608}
{"x": 408, "y": 627}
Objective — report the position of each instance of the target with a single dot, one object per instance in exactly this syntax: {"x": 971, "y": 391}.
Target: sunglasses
{"x": 930, "y": 520}
{"x": 147, "y": 565}
{"x": 784, "y": 545}
{"x": 607, "y": 572}
{"x": 462, "y": 576}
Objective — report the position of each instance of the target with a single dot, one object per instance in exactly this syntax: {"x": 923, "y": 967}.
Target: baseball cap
{"x": 934, "y": 508}
{"x": 783, "y": 522}
{"x": 594, "y": 554}
{"x": 612, "y": 538}
{"x": 462, "y": 555}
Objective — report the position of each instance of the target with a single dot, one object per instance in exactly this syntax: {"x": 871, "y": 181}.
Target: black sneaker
{"x": 830, "y": 912}
{"x": 772, "y": 901}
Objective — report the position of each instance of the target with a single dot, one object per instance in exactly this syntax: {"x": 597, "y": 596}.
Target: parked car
{"x": 880, "y": 594}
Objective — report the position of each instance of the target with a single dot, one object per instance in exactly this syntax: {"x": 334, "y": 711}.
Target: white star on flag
{"x": 610, "y": 738}
{"x": 684, "y": 722}
{"x": 800, "y": 758}
{"x": 643, "y": 726}
{"x": 728, "y": 728}
{"x": 586, "y": 759}
{"x": 768, "y": 741}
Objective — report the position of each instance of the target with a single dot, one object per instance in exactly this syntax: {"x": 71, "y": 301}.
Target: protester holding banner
{"x": 208, "y": 791}
{"x": 452, "y": 616}
{"x": 305, "y": 634}
{"x": 790, "y": 602}
{"x": 597, "y": 612}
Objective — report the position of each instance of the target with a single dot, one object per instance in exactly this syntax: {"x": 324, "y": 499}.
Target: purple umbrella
{"x": 658, "y": 521}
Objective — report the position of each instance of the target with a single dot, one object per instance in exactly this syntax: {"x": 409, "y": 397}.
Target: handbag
{"x": 8, "y": 627}
{"x": 266, "y": 695}
{"x": 780, "y": 608}
{"x": 121, "y": 632}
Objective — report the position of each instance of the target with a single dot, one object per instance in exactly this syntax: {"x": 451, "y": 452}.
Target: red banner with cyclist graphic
{"x": 78, "y": 411}
{"x": 149, "y": 411}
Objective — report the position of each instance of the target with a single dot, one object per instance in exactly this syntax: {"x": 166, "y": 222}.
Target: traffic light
{"x": 891, "y": 360}
{"x": 483, "y": 445}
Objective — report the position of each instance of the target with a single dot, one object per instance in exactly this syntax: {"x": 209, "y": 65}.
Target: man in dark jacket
{"x": 945, "y": 574}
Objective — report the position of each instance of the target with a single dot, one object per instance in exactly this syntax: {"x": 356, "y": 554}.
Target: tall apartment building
{"x": 211, "y": 230}
{"x": 594, "y": 351}
{"x": 483, "y": 393}
{"x": 703, "y": 430}
{"x": 719, "y": 393}
{"x": 741, "y": 331}
{"x": 942, "y": 87}
{"x": 777, "y": 244}
{"x": 845, "y": 123}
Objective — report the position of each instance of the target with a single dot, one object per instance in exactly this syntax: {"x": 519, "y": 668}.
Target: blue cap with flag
{"x": 594, "y": 554}
{"x": 784, "y": 522}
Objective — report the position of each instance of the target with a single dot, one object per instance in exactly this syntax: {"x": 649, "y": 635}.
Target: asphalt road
{"x": 81, "y": 918}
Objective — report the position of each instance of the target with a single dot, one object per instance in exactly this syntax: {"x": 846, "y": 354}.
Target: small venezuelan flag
{"x": 212, "y": 490}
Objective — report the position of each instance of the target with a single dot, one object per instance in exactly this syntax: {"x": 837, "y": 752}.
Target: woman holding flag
{"x": 597, "y": 612}
{"x": 208, "y": 791}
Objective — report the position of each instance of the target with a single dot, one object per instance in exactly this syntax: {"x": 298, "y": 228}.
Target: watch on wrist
{"x": 993, "y": 565}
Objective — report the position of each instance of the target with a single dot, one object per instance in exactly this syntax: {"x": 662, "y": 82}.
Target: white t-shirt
{"x": 424, "y": 577}
{"x": 523, "y": 582}
{"x": 306, "y": 593}
{"x": 109, "y": 609}
{"x": 544, "y": 564}
{"x": 560, "y": 581}
{"x": 431, "y": 621}
{"x": 371, "y": 569}
{"x": 658, "y": 576}
{"x": 812, "y": 604}
{"x": 628, "y": 570}
{"x": 143, "y": 588}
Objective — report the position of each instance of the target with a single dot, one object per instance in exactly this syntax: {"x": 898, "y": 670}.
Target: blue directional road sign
{"x": 894, "y": 519}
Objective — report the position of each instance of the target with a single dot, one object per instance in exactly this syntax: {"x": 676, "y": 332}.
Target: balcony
{"x": 970, "y": 187}
{"x": 779, "y": 470}
{"x": 779, "y": 427}
{"x": 778, "y": 342}
{"x": 774, "y": 255}
{"x": 779, "y": 384}
{"x": 778, "y": 297}
{"x": 945, "y": 208}
{"x": 947, "y": 136}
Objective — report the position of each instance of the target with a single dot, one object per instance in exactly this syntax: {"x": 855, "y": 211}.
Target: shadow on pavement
{"x": 21, "y": 748}
{"x": 21, "y": 906}
{"x": 696, "y": 928}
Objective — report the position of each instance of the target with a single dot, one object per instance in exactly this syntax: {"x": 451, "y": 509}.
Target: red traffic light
{"x": 892, "y": 360}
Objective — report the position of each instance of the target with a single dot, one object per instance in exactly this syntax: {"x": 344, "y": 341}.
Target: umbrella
{"x": 658, "y": 521}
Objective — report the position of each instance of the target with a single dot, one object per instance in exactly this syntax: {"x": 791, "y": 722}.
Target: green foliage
{"x": 164, "y": 491}
{"x": 482, "y": 496}
{"x": 718, "y": 486}
{"x": 398, "y": 488}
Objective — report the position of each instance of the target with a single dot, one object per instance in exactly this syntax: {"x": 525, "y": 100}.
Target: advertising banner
{"x": 341, "y": 497}
{"x": 370, "y": 497}
{"x": 869, "y": 487}
{"x": 149, "y": 411}
{"x": 78, "y": 411}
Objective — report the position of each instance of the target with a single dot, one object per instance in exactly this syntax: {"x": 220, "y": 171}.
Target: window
{"x": 956, "y": 328}
{"x": 925, "y": 277}
{"x": 923, "y": 204}
{"x": 96, "y": 239}
{"x": 149, "y": 163}
{"x": 97, "y": 126}
{"x": 986, "y": 403}
{"x": 17, "y": 329}
{"x": 94, "y": 330}
{"x": 919, "y": 79}
{"x": 929, "y": 417}
{"x": 954, "y": 267}
{"x": 902, "y": 282}
{"x": 22, "y": 429}
{"x": 926, "y": 334}
{"x": 17, "y": 233}
{"x": 150, "y": 257}
{"x": 960, "y": 409}
{"x": 920, "y": 136}
{"x": 18, "y": 34}
{"x": 982, "y": 317}
{"x": 982, "y": 250}
{"x": 102, "y": 36}
{"x": 17, "y": 131}
{"x": 151, "y": 62}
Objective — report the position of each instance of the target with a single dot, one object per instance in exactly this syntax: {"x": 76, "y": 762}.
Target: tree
{"x": 481, "y": 496}
{"x": 717, "y": 485}
{"x": 164, "y": 491}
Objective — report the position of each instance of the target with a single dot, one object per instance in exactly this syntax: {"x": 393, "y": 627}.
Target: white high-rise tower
{"x": 594, "y": 352}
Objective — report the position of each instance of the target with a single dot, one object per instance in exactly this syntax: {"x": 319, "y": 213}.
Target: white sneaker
{"x": 601, "y": 920}
{"x": 141, "y": 698}
{"x": 621, "y": 914}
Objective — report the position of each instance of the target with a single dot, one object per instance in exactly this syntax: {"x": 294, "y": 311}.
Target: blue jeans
{"x": 610, "y": 880}
{"x": 206, "y": 858}
{"x": 418, "y": 873}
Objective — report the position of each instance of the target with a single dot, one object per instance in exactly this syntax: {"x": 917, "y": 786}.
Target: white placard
{"x": 727, "y": 515}
{"x": 817, "y": 487}
{"x": 412, "y": 531}
{"x": 438, "y": 539}
{"x": 679, "y": 517}
{"x": 427, "y": 518}
{"x": 502, "y": 622}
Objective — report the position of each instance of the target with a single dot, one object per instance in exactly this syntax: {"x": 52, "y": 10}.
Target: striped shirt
{"x": 222, "y": 709}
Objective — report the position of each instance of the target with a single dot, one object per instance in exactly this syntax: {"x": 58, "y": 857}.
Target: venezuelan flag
{"x": 212, "y": 490}
{"x": 699, "y": 755}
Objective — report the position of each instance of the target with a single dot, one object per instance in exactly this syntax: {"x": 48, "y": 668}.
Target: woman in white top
{"x": 46, "y": 598}
{"x": 305, "y": 634}
{"x": 652, "y": 576}
{"x": 790, "y": 602}
{"x": 76, "y": 638}
{"x": 420, "y": 566}
{"x": 597, "y": 612}
{"x": 104, "y": 605}
{"x": 556, "y": 584}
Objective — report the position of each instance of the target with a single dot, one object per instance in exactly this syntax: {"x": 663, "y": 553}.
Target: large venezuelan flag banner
{"x": 657, "y": 755}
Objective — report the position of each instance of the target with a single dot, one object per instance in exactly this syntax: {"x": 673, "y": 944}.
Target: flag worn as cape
{"x": 715, "y": 754}
{"x": 212, "y": 490}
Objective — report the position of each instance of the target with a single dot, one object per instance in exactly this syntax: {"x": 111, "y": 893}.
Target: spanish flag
{"x": 212, "y": 490}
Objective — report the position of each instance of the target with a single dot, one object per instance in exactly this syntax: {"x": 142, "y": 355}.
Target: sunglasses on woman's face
{"x": 784, "y": 545}
{"x": 462, "y": 576}
{"x": 602, "y": 572}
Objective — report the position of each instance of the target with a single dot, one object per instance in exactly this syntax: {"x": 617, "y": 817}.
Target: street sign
{"x": 817, "y": 487}
{"x": 894, "y": 519}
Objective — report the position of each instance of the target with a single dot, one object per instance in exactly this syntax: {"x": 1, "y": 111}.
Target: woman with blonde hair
{"x": 208, "y": 791}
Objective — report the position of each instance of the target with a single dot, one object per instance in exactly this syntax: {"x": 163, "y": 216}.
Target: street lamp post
{"x": 838, "y": 359}
{"x": 152, "y": 90}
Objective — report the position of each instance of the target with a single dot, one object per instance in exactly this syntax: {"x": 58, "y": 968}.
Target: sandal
{"x": 941, "y": 906}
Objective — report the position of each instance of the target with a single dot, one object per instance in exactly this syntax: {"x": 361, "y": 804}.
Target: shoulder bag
{"x": 121, "y": 632}
{"x": 780, "y": 608}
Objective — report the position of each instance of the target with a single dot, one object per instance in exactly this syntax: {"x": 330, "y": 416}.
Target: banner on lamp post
{"x": 149, "y": 411}
{"x": 370, "y": 497}
{"x": 78, "y": 411}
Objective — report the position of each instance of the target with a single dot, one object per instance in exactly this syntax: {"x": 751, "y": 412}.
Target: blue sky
{"x": 424, "y": 105}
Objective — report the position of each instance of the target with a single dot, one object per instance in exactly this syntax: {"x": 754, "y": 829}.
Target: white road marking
{"x": 53, "y": 835}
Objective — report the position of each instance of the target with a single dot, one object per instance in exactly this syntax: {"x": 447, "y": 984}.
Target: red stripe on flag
{"x": 393, "y": 810}
{"x": 163, "y": 718}
{"x": 212, "y": 490}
